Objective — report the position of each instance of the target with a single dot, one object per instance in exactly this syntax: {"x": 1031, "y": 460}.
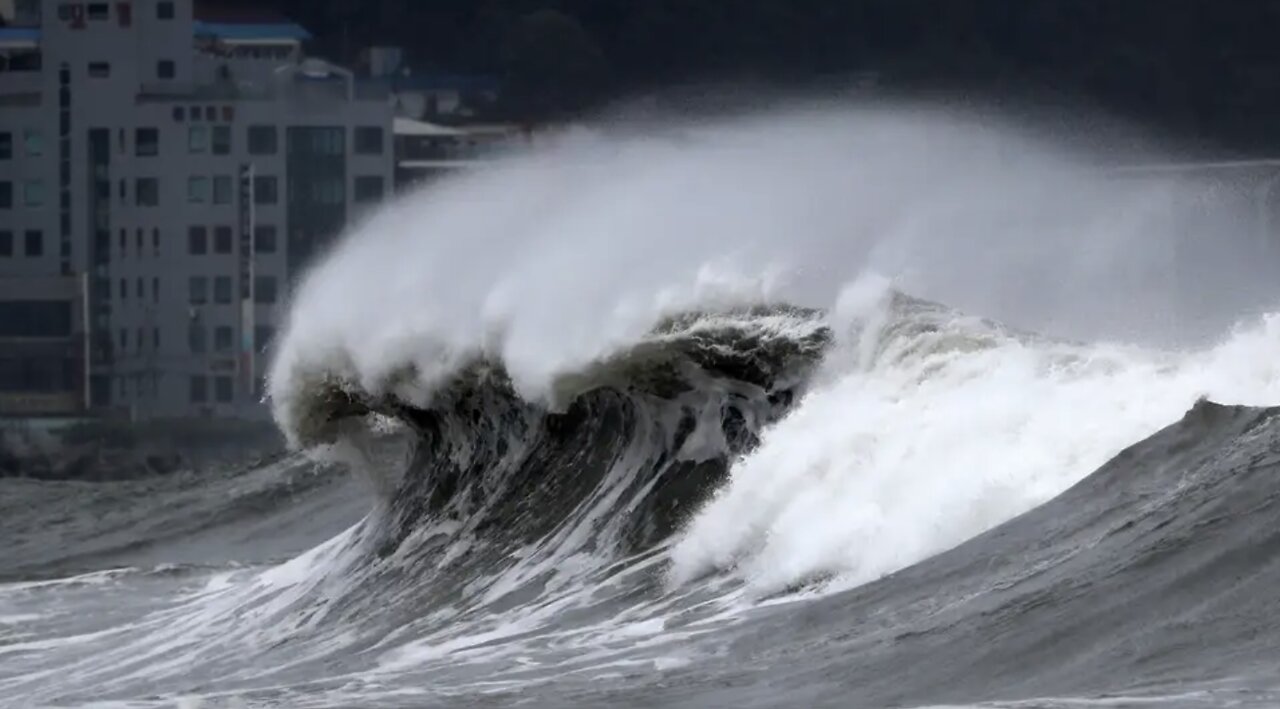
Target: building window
{"x": 323, "y": 191}
{"x": 199, "y": 389}
{"x": 197, "y": 241}
{"x": 146, "y": 190}
{"x": 264, "y": 290}
{"x": 317, "y": 141}
{"x": 155, "y": 298}
{"x": 124, "y": 243}
{"x": 164, "y": 10}
{"x": 140, "y": 288}
{"x": 198, "y": 290}
{"x": 222, "y": 140}
{"x": 99, "y": 70}
{"x": 98, "y": 11}
{"x": 197, "y": 138}
{"x": 165, "y": 69}
{"x": 195, "y": 338}
{"x": 179, "y": 114}
{"x": 6, "y": 194}
{"x": 222, "y": 290}
{"x": 197, "y": 189}
{"x": 264, "y": 239}
{"x": 6, "y": 243}
{"x": 33, "y": 193}
{"x": 265, "y": 190}
{"x": 146, "y": 142}
{"x": 193, "y": 112}
{"x": 222, "y": 339}
{"x": 262, "y": 336}
{"x": 263, "y": 140}
{"x": 34, "y": 242}
{"x": 155, "y": 242}
{"x": 6, "y": 145}
{"x": 33, "y": 142}
{"x": 222, "y": 389}
{"x": 124, "y": 290}
{"x": 222, "y": 189}
{"x": 222, "y": 240}
{"x": 368, "y": 188}
{"x": 369, "y": 140}
{"x": 138, "y": 240}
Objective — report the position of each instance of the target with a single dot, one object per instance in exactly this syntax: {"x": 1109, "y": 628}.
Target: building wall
{"x": 152, "y": 336}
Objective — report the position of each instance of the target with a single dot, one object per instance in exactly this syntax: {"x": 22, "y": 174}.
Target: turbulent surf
{"x": 793, "y": 431}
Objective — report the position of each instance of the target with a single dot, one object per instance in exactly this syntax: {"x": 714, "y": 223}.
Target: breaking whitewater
{"x": 707, "y": 416}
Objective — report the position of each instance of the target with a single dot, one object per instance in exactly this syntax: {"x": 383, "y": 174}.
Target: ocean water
{"x": 827, "y": 408}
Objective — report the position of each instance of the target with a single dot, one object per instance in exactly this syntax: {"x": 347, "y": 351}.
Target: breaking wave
{"x": 744, "y": 413}
{"x": 645, "y": 319}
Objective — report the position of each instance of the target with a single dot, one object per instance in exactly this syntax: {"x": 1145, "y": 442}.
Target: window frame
{"x": 197, "y": 240}
{"x": 220, "y": 140}
{"x": 197, "y": 290}
{"x": 198, "y": 189}
{"x": 364, "y": 146}
{"x": 273, "y": 238}
{"x": 152, "y": 190}
{"x": 197, "y": 146}
{"x": 27, "y": 235}
{"x": 223, "y": 290}
{"x": 270, "y": 147}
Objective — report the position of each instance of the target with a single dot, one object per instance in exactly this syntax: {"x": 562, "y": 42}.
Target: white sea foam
{"x": 923, "y": 439}
{"x": 550, "y": 260}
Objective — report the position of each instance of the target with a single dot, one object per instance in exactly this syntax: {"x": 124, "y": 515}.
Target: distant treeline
{"x": 1206, "y": 69}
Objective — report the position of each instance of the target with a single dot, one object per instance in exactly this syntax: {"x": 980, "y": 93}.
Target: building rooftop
{"x": 213, "y": 24}
{"x": 19, "y": 37}
{"x": 246, "y": 24}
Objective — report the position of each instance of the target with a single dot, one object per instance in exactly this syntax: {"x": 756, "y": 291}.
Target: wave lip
{"x": 757, "y": 344}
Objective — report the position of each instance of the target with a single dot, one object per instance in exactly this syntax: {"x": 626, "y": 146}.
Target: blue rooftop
{"x": 19, "y": 34}
{"x": 218, "y": 30}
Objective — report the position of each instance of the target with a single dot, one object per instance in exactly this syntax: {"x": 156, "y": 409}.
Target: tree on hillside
{"x": 553, "y": 67}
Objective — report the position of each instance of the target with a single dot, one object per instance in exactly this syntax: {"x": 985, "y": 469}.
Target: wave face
{"x": 700, "y": 418}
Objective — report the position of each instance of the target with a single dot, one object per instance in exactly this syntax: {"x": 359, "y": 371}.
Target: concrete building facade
{"x": 187, "y": 164}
